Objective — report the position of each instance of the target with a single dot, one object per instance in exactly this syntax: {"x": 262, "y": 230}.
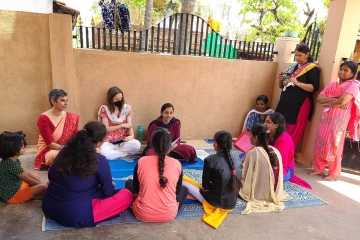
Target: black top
{"x": 216, "y": 177}
{"x": 292, "y": 99}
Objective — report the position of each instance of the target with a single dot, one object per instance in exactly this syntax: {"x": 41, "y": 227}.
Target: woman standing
{"x": 296, "y": 101}
{"x": 81, "y": 192}
{"x": 262, "y": 175}
{"x": 116, "y": 116}
{"x": 182, "y": 152}
{"x": 56, "y": 127}
{"x": 157, "y": 183}
{"x": 341, "y": 104}
{"x": 282, "y": 141}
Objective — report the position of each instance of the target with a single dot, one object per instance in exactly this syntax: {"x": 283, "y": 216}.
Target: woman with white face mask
{"x": 116, "y": 116}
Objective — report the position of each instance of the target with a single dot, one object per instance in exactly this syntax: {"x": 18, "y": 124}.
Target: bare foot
{"x": 330, "y": 178}
{"x": 313, "y": 173}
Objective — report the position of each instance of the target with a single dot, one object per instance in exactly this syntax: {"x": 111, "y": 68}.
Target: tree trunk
{"x": 184, "y": 6}
{"x": 147, "y": 22}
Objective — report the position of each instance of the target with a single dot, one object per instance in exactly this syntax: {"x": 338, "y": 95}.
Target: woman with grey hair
{"x": 56, "y": 127}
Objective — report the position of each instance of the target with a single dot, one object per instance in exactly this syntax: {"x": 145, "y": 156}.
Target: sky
{"x": 84, "y": 6}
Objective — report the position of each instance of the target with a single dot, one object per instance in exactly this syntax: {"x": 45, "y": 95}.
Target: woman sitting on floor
{"x": 16, "y": 185}
{"x": 262, "y": 175}
{"x": 56, "y": 127}
{"x": 182, "y": 152}
{"x": 116, "y": 116}
{"x": 81, "y": 192}
{"x": 282, "y": 141}
{"x": 258, "y": 114}
{"x": 157, "y": 183}
{"x": 220, "y": 181}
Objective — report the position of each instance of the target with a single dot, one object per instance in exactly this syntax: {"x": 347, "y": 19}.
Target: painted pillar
{"x": 338, "y": 42}
{"x": 62, "y": 58}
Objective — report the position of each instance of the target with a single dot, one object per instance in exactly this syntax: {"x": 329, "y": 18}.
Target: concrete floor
{"x": 338, "y": 220}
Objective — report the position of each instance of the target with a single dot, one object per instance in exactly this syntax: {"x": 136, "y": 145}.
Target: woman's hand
{"x": 126, "y": 125}
{"x": 293, "y": 80}
{"x": 280, "y": 77}
{"x": 128, "y": 138}
{"x": 173, "y": 147}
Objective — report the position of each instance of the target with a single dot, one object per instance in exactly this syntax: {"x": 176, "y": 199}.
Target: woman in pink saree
{"x": 341, "y": 108}
{"x": 56, "y": 126}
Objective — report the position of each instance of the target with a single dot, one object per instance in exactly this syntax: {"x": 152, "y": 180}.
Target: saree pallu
{"x": 62, "y": 133}
{"x": 330, "y": 135}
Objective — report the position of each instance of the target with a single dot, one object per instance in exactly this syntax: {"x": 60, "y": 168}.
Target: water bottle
{"x": 140, "y": 133}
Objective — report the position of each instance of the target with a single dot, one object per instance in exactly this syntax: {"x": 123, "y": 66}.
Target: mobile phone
{"x": 118, "y": 141}
{"x": 285, "y": 75}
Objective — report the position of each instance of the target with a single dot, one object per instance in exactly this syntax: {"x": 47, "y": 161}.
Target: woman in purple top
{"x": 81, "y": 192}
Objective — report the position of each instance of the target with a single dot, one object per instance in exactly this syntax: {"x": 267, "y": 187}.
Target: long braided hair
{"x": 79, "y": 154}
{"x": 259, "y": 130}
{"x": 161, "y": 142}
{"x": 278, "y": 118}
{"x": 224, "y": 141}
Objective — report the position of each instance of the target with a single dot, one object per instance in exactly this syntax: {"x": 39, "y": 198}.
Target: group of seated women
{"x": 56, "y": 127}
{"x": 81, "y": 193}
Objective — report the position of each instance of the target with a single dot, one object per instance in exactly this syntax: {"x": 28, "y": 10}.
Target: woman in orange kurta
{"x": 56, "y": 126}
{"x": 341, "y": 105}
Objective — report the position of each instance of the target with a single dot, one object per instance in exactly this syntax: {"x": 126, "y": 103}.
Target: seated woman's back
{"x": 154, "y": 203}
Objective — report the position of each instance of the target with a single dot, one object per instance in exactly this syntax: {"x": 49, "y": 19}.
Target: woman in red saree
{"x": 341, "y": 110}
{"x": 296, "y": 101}
{"x": 182, "y": 152}
{"x": 56, "y": 126}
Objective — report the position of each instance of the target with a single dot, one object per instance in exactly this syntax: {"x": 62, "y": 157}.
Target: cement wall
{"x": 208, "y": 94}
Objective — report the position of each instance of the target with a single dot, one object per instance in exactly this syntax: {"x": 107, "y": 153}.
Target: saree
{"x": 67, "y": 126}
{"x": 258, "y": 180}
{"x": 182, "y": 152}
{"x": 308, "y": 73}
{"x": 330, "y": 135}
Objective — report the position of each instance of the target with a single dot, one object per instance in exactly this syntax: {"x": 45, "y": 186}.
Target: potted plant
{"x": 292, "y": 29}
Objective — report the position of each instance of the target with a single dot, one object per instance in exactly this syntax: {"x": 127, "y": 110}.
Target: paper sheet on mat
{"x": 201, "y": 154}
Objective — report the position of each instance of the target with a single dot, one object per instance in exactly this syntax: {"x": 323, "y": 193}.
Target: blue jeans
{"x": 289, "y": 175}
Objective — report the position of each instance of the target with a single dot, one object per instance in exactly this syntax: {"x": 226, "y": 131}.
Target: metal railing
{"x": 178, "y": 34}
{"x": 313, "y": 39}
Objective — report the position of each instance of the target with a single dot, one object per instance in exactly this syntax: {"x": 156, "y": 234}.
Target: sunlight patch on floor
{"x": 347, "y": 189}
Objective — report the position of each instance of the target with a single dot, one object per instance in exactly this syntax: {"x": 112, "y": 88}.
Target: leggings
{"x": 180, "y": 197}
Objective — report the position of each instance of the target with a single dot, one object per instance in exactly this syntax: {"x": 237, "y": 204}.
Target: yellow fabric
{"x": 214, "y": 216}
{"x": 258, "y": 183}
{"x": 191, "y": 181}
{"x": 306, "y": 69}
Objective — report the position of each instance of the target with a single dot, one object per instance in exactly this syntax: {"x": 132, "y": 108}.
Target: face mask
{"x": 118, "y": 104}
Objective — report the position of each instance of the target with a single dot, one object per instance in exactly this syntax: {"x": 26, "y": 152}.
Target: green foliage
{"x": 270, "y": 18}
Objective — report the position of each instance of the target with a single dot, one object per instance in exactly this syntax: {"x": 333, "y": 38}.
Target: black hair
{"x": 263, "y": 98}
{"x": 11, "y": 143}
{"x": 302, "y": 47}
{"x": 112, "y": 92}
{"x": 79, "y": 154}
{"x": 165, "y": 106}
{"x": 224, "y": 141}
{"x": 278, "y": 118}
{"x": 259, "y": 130}
{"x": 353, "y": 67}
{"x": 55, "y": 94}
{"x": 161, "y": 142}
